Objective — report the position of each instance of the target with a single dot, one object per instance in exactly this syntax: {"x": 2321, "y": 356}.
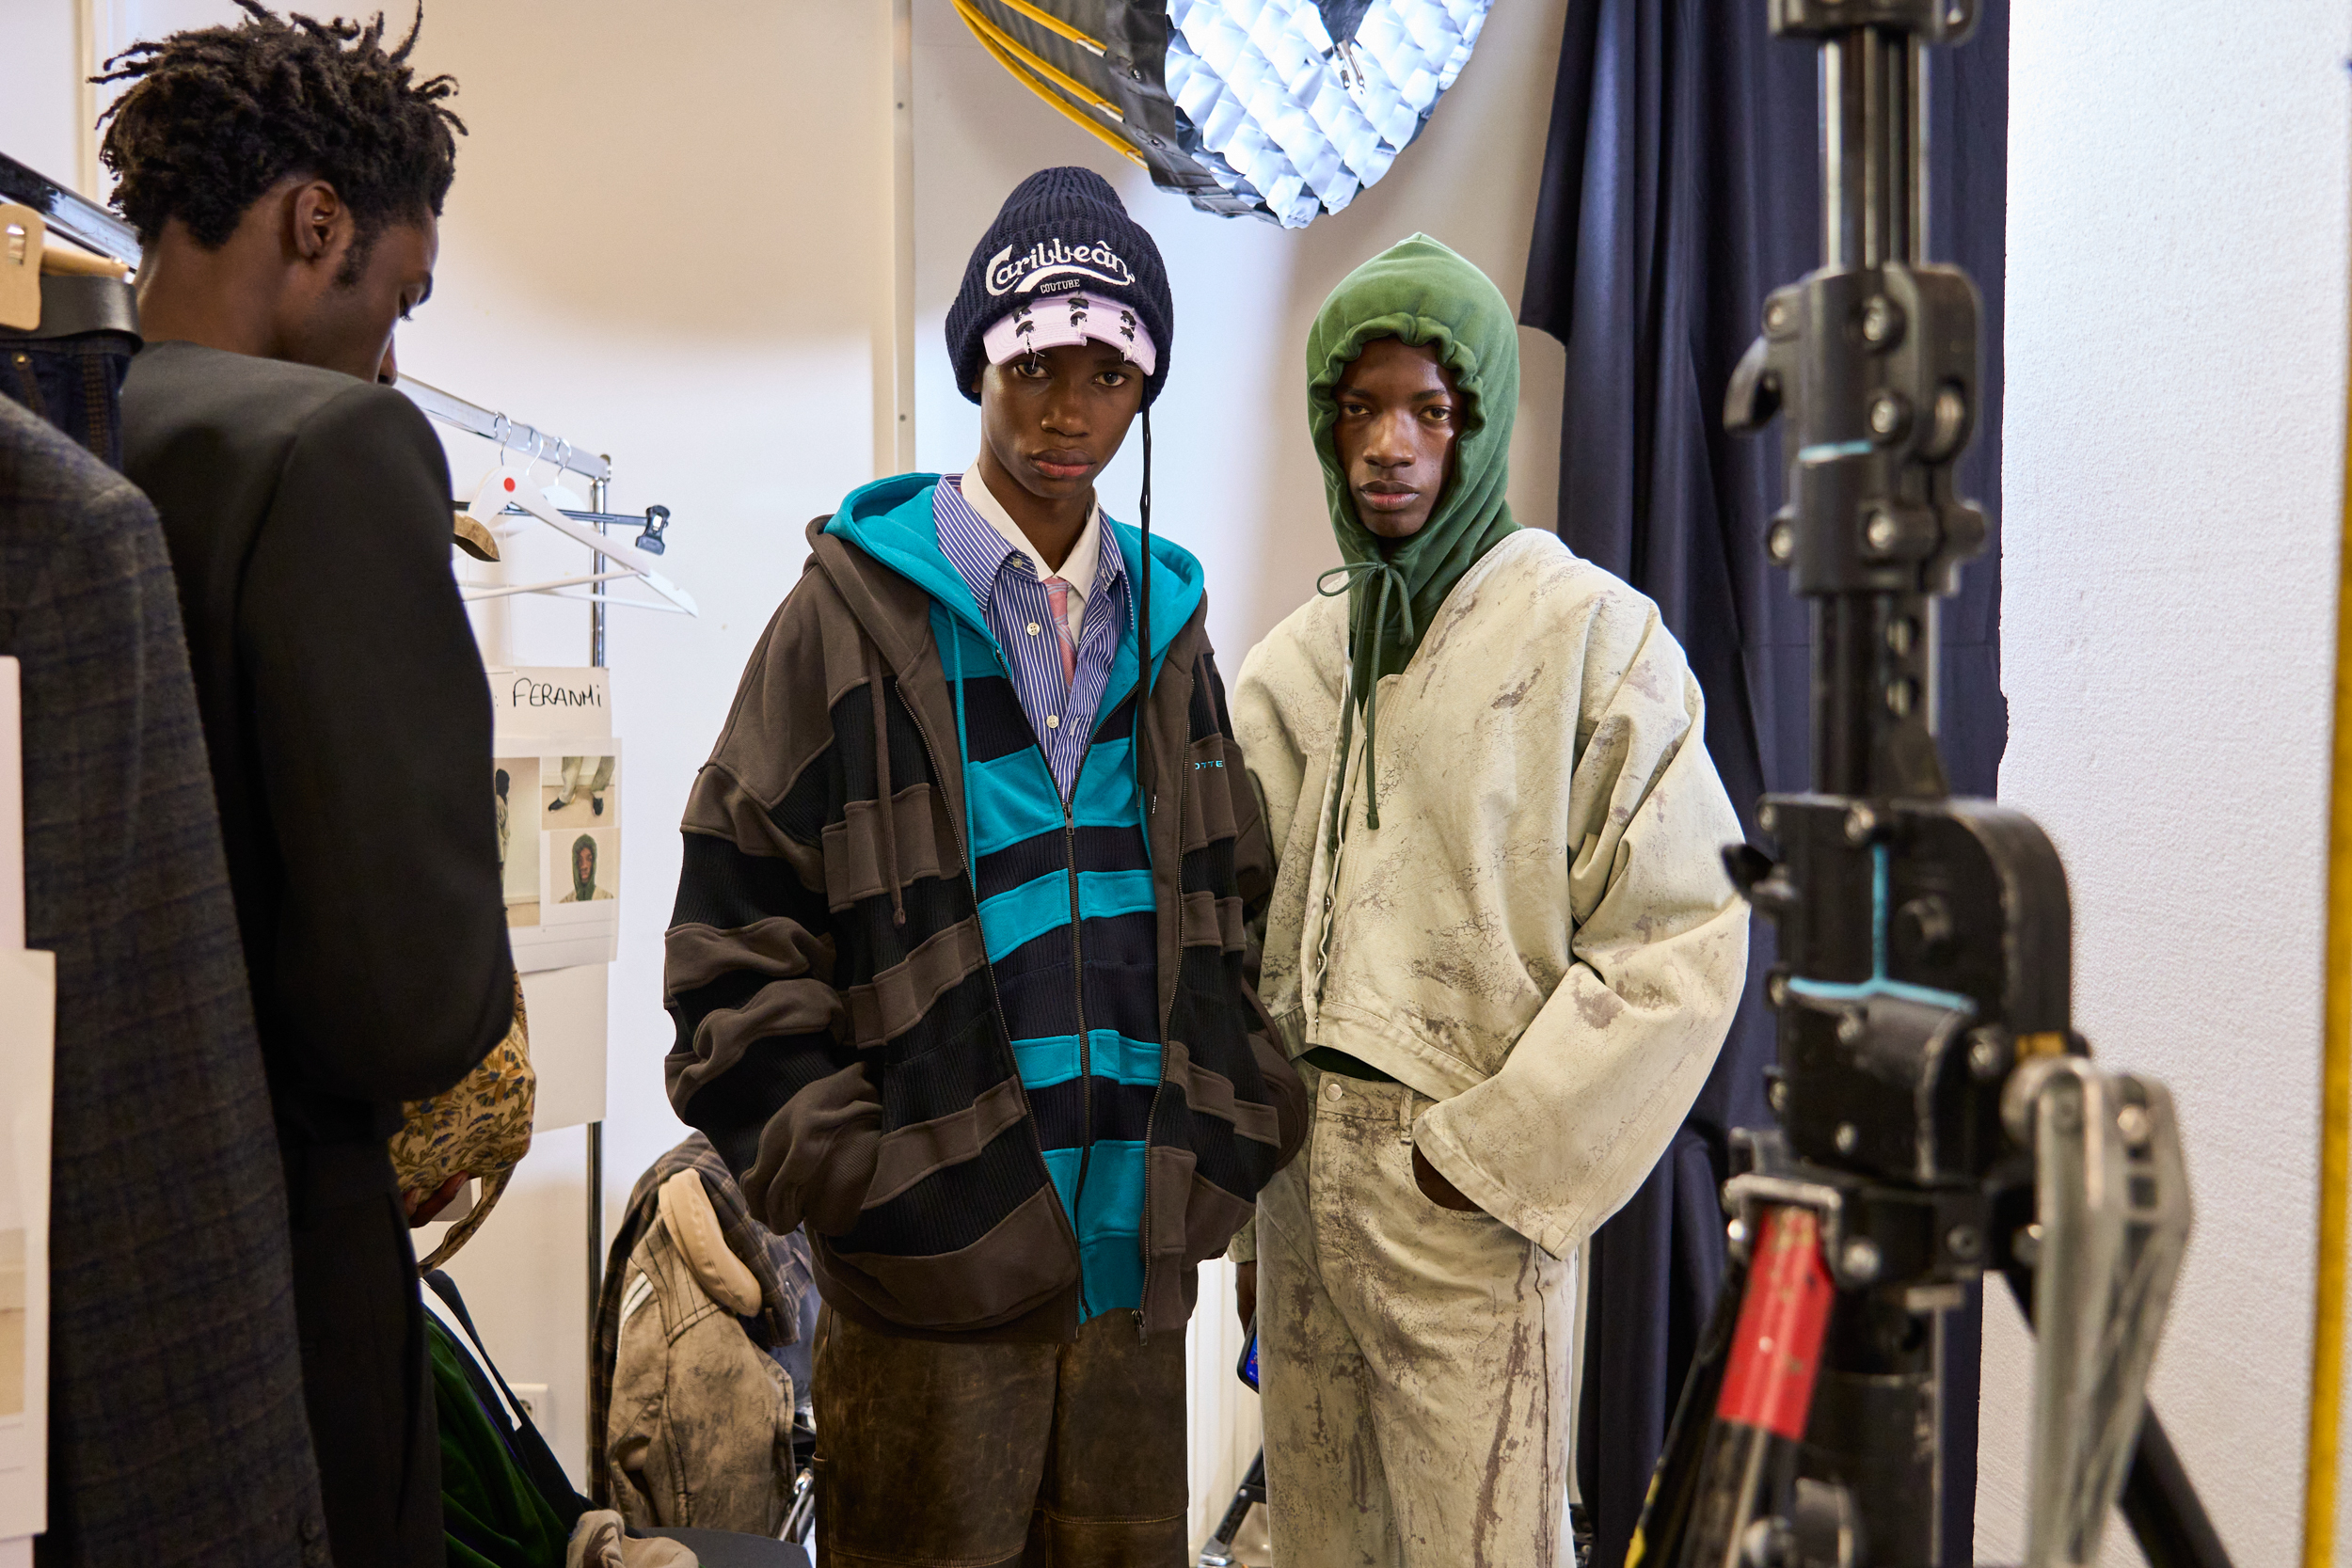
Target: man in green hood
{"x": 584, "y": 888}
{"x": 1500, "y": 948}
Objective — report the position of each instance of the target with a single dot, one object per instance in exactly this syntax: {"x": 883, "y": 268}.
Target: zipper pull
{"x": 1141, "y": 1337}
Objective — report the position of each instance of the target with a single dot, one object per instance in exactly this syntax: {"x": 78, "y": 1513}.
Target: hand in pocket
{"x": 1435, "y": 1188}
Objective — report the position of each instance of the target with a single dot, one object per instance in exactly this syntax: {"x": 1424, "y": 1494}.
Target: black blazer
{"x": 308, "y": 516}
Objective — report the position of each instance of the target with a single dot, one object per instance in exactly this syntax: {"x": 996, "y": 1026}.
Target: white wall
{"x": 2173, "y": 455}
{"x": 39, "y": 51}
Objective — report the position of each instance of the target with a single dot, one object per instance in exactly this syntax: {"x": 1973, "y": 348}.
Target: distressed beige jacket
{"x": 700, "y": 1429}
{"x": 1540, "y": 935}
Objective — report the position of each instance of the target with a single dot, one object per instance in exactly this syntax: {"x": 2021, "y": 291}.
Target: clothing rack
{"x": 68, "y": 212}
{"x": 510, "y": 434}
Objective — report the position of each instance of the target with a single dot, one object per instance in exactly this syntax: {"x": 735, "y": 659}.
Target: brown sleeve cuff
{"x": 816, "y": 1156}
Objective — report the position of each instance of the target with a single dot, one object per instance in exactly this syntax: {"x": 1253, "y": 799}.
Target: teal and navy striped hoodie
{"x": 1002, "y": 1103}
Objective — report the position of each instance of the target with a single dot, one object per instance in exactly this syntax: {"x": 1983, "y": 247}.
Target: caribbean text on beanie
{"x": 1060, "y": 229}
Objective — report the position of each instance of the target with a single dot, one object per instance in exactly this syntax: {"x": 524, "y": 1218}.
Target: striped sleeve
{"x": 762, "y": 1064}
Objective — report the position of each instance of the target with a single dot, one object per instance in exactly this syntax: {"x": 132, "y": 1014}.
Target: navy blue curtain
{"x": 1681, "y": 185}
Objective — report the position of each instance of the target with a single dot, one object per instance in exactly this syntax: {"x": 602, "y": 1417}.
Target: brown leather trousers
{"x": 963, "y": 1455}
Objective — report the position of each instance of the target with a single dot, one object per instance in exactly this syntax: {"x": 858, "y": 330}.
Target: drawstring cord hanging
{"x": 1366, "y": 648}
{"x": 963, "y": 759}
{"x": 881, "y": 767}
{"x": 1149, "y": 791}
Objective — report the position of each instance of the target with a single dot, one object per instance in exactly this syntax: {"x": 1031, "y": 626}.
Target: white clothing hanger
{"x": 506, "y": 487}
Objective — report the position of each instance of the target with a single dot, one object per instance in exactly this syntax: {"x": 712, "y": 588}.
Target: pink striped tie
{"x": 1057, "y": 599}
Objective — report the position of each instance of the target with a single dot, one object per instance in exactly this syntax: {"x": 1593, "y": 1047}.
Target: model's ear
{"x": 318, "y": 221}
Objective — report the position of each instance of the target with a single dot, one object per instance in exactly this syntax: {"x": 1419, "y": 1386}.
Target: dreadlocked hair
{"x": 218, "y": 115}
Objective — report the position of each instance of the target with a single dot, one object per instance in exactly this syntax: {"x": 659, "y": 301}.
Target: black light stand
{"x": 1939, "y": 1116}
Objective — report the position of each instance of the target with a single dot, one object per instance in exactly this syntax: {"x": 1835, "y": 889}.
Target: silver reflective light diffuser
{"x": 1283, "y": 109}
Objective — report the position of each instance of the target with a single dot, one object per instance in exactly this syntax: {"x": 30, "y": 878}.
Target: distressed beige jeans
{"x": 1414, "y": 1360}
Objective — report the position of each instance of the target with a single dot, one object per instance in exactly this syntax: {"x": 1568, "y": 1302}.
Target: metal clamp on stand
{"x": 1939, "y": 1116}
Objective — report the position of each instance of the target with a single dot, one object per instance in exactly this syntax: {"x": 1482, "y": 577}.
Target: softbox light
{"x": 1280, "y": 108}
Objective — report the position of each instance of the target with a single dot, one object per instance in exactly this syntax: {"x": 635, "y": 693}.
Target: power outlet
{"x": 533, "y": 1399}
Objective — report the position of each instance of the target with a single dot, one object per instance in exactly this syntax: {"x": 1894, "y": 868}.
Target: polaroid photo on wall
{"x": 567, "y": 802}
{"x": 584, "y": 792}
{"x": 515, "y": 782}
{"x": 583, "y": 870}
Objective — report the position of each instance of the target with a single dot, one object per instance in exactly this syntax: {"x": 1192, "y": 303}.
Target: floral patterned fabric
{"x": 481, "y": 1128}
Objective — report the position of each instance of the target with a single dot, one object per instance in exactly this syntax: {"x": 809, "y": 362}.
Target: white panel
{"x": 2172, "y": 470}
{"x": 567, "y": 1040}
{"x": 28, "y": 1012}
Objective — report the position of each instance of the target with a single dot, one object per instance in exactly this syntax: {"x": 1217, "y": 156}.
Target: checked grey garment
{"x": 175, "y": 1426}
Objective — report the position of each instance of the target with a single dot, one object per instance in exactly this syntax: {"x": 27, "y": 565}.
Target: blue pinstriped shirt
{"x": 1012, "y": 596}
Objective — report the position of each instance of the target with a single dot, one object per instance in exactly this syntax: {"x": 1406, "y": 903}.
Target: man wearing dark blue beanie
{"x": 957, "y": 956}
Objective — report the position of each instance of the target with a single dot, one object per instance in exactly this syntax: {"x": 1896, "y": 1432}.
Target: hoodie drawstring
{"x": 881, "y": 766}
{"x": 963, "y": 758}
{"x": 1143, "y": 647}
{"x": 1365, "y": 654}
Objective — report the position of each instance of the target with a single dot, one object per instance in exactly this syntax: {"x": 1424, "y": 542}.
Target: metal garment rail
{"x": 512, "y": 434}
{"x": 69, "y": 212}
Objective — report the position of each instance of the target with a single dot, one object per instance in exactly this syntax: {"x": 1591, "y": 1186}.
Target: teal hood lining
{"x": 891, "y": 520}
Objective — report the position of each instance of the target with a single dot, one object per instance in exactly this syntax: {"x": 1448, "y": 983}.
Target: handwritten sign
{"x": 566, "y": 703}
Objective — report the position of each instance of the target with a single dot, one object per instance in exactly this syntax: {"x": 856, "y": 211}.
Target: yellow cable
{"x": 1023, "y": 76}
{"x": 2335, "y": 1091}
{"x": 1063, "y": 109}
{"x": 1052, "y": 23}
{"x": 990, "y": 33}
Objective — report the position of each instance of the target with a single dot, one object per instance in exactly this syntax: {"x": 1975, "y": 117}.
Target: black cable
{"x": 1143, "y": 638}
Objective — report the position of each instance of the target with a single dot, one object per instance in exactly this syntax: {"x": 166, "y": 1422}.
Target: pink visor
{"x": 1071, "y": 317}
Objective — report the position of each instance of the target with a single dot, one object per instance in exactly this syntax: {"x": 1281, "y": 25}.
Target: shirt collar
{"x": 1082, "y": 568}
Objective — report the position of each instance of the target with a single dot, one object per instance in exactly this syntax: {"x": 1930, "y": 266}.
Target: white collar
{"x": 1078, "y": 567}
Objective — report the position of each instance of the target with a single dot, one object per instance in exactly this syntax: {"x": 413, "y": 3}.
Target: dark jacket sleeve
{"x": 763, "y": 1065}
{"x": 1253, "y": 879}
{"x": 373, "y": 736}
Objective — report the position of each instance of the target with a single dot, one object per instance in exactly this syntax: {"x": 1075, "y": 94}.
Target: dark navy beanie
{"x": 1060, "y": 230}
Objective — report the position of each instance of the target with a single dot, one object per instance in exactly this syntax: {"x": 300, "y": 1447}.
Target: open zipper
{"x": 1086, "y": 1041}
{"x": 1070, "y": 848}
{"x": 996, "y": 1001}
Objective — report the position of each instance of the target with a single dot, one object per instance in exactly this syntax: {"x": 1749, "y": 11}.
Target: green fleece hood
{"x": 1419, "y": 291}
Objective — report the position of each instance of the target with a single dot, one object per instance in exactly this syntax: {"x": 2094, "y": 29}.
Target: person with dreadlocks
{"x": 1501, "y": 944}
{"x": 957, "y": 959}
{"x": 284, "y": 176}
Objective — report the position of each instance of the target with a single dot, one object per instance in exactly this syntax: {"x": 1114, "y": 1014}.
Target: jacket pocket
{"x": 1192, "y": 1217}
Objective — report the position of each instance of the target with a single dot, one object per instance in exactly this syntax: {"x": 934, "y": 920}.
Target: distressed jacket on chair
{"x": 700, "y": 1432}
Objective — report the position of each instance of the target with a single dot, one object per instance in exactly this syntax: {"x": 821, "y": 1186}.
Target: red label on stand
{"x": 1776, "y": 1350}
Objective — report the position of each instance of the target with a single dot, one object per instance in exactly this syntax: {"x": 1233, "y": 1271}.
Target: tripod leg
{"x": 1666, "y": 1510}
{"x": 2159, "y": 1502}
{"x": 1747, "y": 1470}
{"x": 2163, "y": 1507}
